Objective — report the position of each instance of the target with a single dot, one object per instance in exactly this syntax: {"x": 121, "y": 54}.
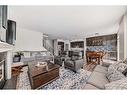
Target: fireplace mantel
{"x": 7, "y": 48}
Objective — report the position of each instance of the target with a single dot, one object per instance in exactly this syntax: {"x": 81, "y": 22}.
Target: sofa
{"x": 99, "y": 80}
{"x": 26, "y": 60}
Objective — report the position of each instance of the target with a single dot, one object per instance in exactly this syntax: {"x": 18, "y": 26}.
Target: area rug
{"x": 68, "y": 80}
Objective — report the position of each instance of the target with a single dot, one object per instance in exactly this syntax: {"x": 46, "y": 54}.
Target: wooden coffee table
{"x": 40, "y": 76}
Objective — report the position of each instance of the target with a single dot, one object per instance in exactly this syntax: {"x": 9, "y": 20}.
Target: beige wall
{"x": 122, "y": 38}
{"x": 28, "y": 40}
{"x": 125, "y": 37}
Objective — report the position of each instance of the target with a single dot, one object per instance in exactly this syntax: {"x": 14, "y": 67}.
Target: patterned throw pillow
{"x": 125, "y": 61}
{"x": 119, "y": 84}
{"x": 121, "y": 67}
{"x": 125, "y": 72}
{"x": 112, "y": 68}
{"x": 115, "y": 75}
{"x": 118, "y": 66}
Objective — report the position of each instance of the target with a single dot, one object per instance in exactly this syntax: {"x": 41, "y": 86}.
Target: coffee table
{"x": 40, "y": 76}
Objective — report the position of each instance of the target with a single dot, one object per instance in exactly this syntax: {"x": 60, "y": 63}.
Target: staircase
{"x": 46, "y": 44}
{"x": 48, "y": 47}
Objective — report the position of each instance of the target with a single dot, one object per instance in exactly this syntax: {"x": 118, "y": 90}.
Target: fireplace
{"x": 2, "y": 70}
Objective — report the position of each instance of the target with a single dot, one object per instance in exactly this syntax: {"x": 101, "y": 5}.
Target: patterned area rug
{"x": 68, "y": 80}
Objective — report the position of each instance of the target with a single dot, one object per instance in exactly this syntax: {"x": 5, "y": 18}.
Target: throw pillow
{"x": 119, "y": 84}
{"x": 121, "y": 67}
{"x": 125, "y": 61}
{"x": 112, "y": 68}
{"x": 116, "y": 75}
{"x": 125, "y": 72}
{"x": 118, "y": 66}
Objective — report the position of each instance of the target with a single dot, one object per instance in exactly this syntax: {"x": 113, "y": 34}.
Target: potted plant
{"x": 17, "y": 56}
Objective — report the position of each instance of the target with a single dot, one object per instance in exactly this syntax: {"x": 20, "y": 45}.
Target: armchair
{"x": 58, "y": 60}
{"x": 74, "y": 65}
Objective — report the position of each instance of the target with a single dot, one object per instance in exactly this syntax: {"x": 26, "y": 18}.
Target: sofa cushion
{"x": 101, "y": 69}
{"x": 90, "y": 87}
{"x": 98, "y": 79}
{"x": 116, "y": 75}
{"x": 119, "y": 84}
{"x": 106, "y": 64}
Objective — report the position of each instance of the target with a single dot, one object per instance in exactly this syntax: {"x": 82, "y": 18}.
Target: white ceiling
{"x": 68, "y": 22}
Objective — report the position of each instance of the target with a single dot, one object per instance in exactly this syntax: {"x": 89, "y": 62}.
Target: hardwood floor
{"x": 90, "y": 66}
{"x": 11, "y": 83}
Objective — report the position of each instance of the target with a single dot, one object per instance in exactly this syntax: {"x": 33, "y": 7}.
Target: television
{"x": 11, "y": 32}
{"x": 4, "y": 16}
{"x": 3, "y": 22}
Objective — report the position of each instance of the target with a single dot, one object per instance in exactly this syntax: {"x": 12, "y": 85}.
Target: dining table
{"x": 94, "y": 56}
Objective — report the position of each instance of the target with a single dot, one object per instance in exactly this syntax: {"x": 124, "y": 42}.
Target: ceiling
{"x": 68, "y": 22}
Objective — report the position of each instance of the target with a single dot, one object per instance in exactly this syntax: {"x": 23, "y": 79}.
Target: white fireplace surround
{"x": 7, "y": 49}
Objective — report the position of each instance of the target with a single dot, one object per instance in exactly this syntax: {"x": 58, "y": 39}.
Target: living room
{"x": 59, "y": 47}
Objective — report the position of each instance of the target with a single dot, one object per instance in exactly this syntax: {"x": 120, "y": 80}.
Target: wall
{"x": 28, "y": 40}
{"x": 55, "y": 47}
{"x": 85, "y": 50}
{"x": 122, "y": 38}
{"x": 125, "y": 37}
{"x": 111, "y": 29}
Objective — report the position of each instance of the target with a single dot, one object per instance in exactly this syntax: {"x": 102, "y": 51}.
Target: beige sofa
{"x": 97, "y": 79}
